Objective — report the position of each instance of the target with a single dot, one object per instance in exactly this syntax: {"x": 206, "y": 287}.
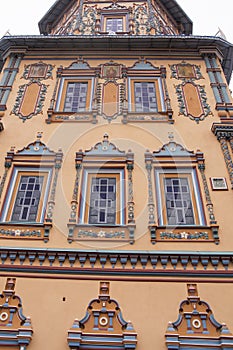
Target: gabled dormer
{"x": 92, "y": 17}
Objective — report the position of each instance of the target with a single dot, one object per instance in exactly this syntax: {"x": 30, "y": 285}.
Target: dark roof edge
{"x": 178, "y": 13}
{"x": 127, "y": 42}
{"x": 60, "y": 5}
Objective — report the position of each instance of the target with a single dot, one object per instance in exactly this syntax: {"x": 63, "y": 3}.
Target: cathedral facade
{"x": 116, "y": 176}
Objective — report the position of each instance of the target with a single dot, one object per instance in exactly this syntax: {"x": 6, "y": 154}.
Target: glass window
{"x": 76, "y": 97}
{"x": 102, "y": 197}
{"x": 178, "y": 197}
{"x": 103, "y": 201}
{"x": 145, "y": 97}
{"x": 179, "y": 205}
{"x": 27, "y": 198}
{"x": 114, "y": 24}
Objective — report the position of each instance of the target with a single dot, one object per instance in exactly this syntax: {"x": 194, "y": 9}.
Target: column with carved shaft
{"x": 167, "y": 98}
{"x": 227, "y": 157}
{"x": 74, "y": 202}
{"x": 130, "y": 203}
{"x": 51, "y": 201}
{"x": 224, "y": 133}
{"x": 53, "y": 99}
{"x": 8, "y": 162}
{"x": 209, "y": 204}
{"x": 95, "y": 99}
{"x": 231, "y": 142}
{"x": 124, "y": 97}
{"x": 151, "y": 205}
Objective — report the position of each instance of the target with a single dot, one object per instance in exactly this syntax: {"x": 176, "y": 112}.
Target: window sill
{"x": 59, "y": 117}
{"x": 24, "y": 231}
{"x": 105, "y": 233}
{"x": 165, "y": 117}
{"x": 184, "y": 233}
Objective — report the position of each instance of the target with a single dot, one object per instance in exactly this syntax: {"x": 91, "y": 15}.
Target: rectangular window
{"x": 76, "y": 97}
{"x": 179, "y": 206}
{"x": 102, "y": 208}
{"x": 178, "y": 198}
{"x": 27, "y": 196}
{"x": 102, "y": 197}
{"x": 146, "y": 95}
{"x": 114, "y": 24}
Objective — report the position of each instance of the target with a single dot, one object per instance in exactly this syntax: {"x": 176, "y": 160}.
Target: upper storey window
{"x": 145, "y": 96}
{"x": 73, "y": 94}
{"x": 76, "y": 97}
{"x": 114, "y": 24}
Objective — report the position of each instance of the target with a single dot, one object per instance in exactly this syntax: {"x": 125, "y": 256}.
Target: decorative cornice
{"x": 118, "y": 263}
{"x": 162, "y": 43}
{"x": 223, "y": 130}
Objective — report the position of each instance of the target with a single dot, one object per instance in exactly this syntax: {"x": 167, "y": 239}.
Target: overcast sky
{"x": 22, "y": 17}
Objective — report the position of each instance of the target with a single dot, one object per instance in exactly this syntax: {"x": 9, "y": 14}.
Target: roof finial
{"x": 39, "y": 135}
{"x": 171, "y": 136}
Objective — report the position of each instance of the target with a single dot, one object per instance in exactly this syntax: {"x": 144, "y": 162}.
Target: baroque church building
{"x": 116, "y": 170}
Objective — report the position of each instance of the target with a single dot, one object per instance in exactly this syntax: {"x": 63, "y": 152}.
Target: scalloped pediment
{"x": 197, "y": 326}
{"x": 103, "y": 326}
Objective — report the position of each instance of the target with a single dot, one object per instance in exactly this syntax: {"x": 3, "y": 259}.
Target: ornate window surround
{"x": 103, "y": 158}
{"x": 174, "y": 158}
{"x": 78, "y": 71}
{"x": 141, "y": 71}
{"x": 113, "y": 11}
{"x": 35, "y": 159}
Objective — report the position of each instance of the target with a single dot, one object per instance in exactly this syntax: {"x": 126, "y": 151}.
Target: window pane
{"x": 27, "y": 202}
{"x": 76, "y": 96}
{"x": 178, "y": 201}
{"x": 103, "y": 202}
{"x": 145, "y": 97}
{"x": 114, "y": 25}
